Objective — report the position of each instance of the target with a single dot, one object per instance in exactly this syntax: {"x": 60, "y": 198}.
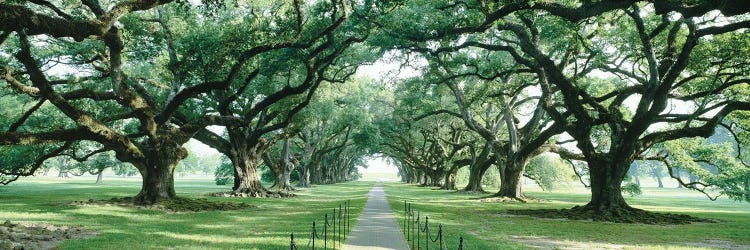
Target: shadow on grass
{"x": 265, "y": 226}
{"x": 486, "y": 225}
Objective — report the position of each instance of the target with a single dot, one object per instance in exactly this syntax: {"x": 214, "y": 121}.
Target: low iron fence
{"x": 338, "y": 224}
{"x": 418, "y": 231}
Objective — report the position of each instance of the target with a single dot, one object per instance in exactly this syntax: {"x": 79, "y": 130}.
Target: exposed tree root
{"x": 463, "y": 191}
{"x": 284, "y": 188}
{"x": 612, "y": 214}
{"x": 175, "y": 205}
{"x": 38, "y": 236}
{"x": 505, "y": 198}
{"x": 255, "y": 194}
{"x": 496, "y": 198}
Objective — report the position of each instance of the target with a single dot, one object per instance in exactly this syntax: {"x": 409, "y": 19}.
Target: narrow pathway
{"x": 376, "y": 228}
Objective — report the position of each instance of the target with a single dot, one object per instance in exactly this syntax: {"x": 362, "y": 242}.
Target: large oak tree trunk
{"x": 344, "y": 176}
{"x": 510, "y": 185}
{"x": 436, "y": 180}
{"x": 249, "y": 183}
{"x": 281, "y": 170}
{"x": 407, "y": 175}
{"x": 329, "y": 177}
{"x": 679, "y": 171}
{"x": 316, "y": 175}
{"x": 304, "y": 177}
{"x": 637, "y": 179}
{"x": 63, "y": 167}
{"x": 476, "y": 173}
{"x": 283, "y": 181}
{"x": 413, "y": 177}
{"x": 658, "y": 178}
{"x": 450, "y": 180}
{"x": 157, "y": 171}
{"x": 510, "y": 180}
{"x": 100, "y": 176}
{"x": 606, "y": 194}
{"x": 158, "y": 184}
{"x": 63, "y": 174}
{"x": 158, "y": 176}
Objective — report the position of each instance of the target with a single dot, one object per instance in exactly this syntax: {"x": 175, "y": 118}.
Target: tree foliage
{"x": 615, "y": 87}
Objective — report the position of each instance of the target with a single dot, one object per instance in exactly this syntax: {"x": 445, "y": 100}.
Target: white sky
{"x": 378, "y": 165}
{"x": 389, "y": 68}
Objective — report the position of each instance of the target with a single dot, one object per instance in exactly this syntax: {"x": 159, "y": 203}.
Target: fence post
{"x": 412, "y": 228}
{"x": 348, "y": 216}
{"x": 440, "y": 235}
{"x": 291, "y": 244}
{"x": 313, "y": 236}
{"x": 325, "y": 233}
{"x": 341, "y": 215}
{"x": 409, "y": 216}
{"x": 405, "y": 214}
{"x": 427, "y": 232}
{"x": 419, "y": 228}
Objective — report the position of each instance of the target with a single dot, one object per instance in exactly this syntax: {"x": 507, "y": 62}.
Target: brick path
{"x": 376, "y": 228}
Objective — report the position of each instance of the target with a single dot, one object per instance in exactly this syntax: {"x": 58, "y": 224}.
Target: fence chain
{"x": 415, "y": 237}
{"x": 338, "y": 230}
{"x": 437, "y": 237}
{"x": 343, "y": 218}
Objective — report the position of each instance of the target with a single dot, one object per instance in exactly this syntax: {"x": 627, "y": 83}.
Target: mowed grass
{"x": 484, "y": 225}
{"x": 265, "y": 226}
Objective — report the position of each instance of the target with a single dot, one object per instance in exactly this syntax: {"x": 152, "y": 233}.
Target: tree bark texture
{"x": 157, "y": 172}
{"x": 476, "y": 173}
{"x": 606, "y": 181}
{"x": 246, "y": 168}
{"x": 450, "y": 180}
{"x": 304, "y": 176}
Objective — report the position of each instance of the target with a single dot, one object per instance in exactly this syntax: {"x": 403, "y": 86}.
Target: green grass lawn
{"x": 484, "y": 225}
{"x": 265, "y": 226}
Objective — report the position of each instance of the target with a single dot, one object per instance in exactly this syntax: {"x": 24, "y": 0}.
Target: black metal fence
{"x": 418, "y": 232}
{"x": 338, "y": 224}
